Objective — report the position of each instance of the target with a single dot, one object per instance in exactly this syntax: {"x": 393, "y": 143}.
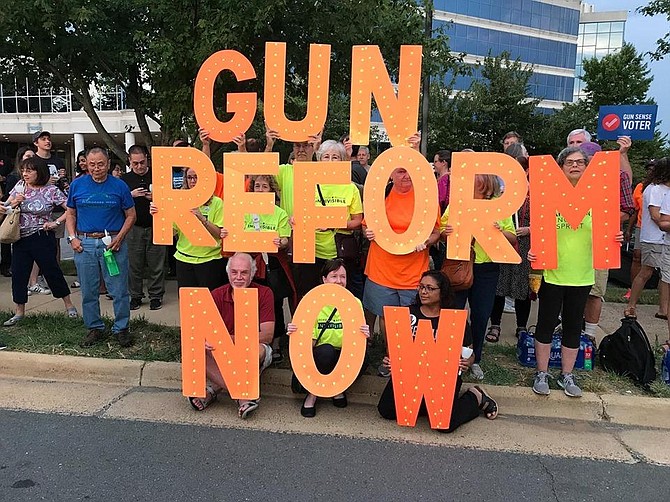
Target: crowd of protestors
{"x": 106, "y": 214}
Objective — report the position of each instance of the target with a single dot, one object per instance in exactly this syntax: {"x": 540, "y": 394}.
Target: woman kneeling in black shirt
{"x": 434, "y": 294}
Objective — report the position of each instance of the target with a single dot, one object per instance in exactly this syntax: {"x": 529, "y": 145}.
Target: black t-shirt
{"x": 415, "y": 315}
{"x": 54, "y": 163}
{"x": 134, "y": 181}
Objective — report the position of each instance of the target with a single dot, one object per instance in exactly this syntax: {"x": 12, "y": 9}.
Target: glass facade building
{"x": 541, "y": 33}
{"x": 554, "y": 36}
{"x": 600, "y": 33}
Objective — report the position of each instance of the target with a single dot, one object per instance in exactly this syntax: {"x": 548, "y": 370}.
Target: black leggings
{"x": 569, "y": 301}
{"x": 464, "y": 409}
{"x": 522, "y": 308}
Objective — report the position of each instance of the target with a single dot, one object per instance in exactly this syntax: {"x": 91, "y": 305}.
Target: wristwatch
{"x": 70, "y": 238}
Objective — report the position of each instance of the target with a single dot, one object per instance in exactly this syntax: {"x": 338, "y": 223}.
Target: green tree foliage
{"x": 654, "y": 8}
{"x": 478, "y": 118}
{"x": 154, "y": 48}
{"x": 620, "y": 78}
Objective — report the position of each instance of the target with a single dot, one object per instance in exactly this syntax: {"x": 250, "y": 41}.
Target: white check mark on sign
{"x": 612, "y": 122}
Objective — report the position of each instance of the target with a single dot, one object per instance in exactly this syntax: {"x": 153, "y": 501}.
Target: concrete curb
{"x": 518, "y": 401}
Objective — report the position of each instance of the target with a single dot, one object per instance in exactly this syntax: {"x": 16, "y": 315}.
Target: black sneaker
{"x": 155, "y": 304}
{"x": 94, "y": 336}
{"x": 3, "y": 346}
{"x": 124, "y": 338}
{"x": 135, "y": 303}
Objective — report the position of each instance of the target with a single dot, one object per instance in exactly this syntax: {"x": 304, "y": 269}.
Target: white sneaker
{"x": 268, "y": 357}
{"x": 38, "y": 290}
{"x": 477, "y": 371}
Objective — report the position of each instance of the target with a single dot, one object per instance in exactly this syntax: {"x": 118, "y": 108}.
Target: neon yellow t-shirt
{"x": 333, "y": 332}
{"x": 575, "y": 254}
{"x": 277, "y": 221}
{"x": 335, "y": 195}
{"x": 285, "y": 183}
{"x": 187, "y": 252}
{"x": 481, "y": 256}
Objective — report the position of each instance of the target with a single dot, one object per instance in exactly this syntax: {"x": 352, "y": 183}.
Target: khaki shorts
{"x": 665, "y": 264}
{"x": 652, "y": 254}
{"x": 637, "y": 238}
{"x": 600, "y": 286}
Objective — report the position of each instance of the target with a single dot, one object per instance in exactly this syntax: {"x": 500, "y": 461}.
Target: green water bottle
{"x": 110, "y": 261}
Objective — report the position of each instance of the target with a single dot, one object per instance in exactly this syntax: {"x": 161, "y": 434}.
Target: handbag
{"x": 460, "y": 272}
{"x": 347, "y": 245}
{"x": 296, "y": 386}
{"x": 10, "y": 229}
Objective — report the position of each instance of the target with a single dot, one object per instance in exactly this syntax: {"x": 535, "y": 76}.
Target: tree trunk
{"x": 80, "y": 91}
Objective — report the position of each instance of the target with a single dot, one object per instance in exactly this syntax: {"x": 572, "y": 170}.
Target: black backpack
{"x": 627, "y": 352}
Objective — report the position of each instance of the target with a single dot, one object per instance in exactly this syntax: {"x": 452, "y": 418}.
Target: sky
{"x": 642, "y": 32}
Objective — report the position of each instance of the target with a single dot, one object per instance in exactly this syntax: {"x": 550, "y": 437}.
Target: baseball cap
{"x": 39, "y": 134}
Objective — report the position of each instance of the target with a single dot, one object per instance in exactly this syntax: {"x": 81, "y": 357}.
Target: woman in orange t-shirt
{"x": 393, "y": 279}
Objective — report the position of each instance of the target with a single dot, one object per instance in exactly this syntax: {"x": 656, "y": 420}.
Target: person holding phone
{"x": 145, "y": 257}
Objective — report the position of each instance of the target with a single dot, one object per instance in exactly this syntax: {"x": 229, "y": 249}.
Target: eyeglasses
{"x": 192, "y": 178}
{"x": 578, "y": 162}
{"x": 427, "y": 289}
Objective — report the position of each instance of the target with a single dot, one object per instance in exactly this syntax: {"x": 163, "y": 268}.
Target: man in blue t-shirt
{"x": 100, "y": 204}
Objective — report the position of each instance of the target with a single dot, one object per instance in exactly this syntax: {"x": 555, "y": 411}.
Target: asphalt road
{"x": 67, "y": 458}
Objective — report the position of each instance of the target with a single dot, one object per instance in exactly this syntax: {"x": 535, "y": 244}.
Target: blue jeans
{"x": 480, "y": 297}
{"x": 89, "y": 263}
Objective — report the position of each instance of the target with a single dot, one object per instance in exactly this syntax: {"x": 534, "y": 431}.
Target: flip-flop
{"x": 200, "y": 403}
{"x": 488, "y": 406}
{"x": 246, "y": 408}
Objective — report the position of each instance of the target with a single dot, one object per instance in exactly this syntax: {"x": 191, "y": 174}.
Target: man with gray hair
{"x": 241, "y": 269}
{"x": 101, "y": 209}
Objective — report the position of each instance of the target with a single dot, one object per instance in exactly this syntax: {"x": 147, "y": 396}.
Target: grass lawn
{"x": 57, "y": 334}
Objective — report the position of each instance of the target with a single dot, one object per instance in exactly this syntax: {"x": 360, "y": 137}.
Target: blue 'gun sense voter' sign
{"x": 636, "y": 121}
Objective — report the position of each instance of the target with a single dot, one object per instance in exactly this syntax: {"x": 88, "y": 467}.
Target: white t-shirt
{"x": 665, "y": 209}
{"x": 653, "y": 195}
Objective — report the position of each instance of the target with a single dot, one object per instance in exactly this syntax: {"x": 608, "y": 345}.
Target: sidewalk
{"x": 610, "y": 320}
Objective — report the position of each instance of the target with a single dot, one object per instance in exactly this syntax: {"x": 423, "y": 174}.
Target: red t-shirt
{"x": 223, "y": 298}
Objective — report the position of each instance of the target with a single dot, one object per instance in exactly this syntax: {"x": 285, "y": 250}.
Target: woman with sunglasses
{"x": 433, "y": 295}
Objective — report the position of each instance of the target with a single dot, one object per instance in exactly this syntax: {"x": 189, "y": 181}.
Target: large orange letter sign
{"x": 237, "y": 202}
{"x": 424, "y": 366}
{"x": 308, "y": 215}
{"x": 353, "y": 341}
{"x": 242, "y": 104}
{"x": 472, "y": 217}
{"x": 317, "y": 92}
{"x": 237, "y": 361}
{"x": 174, "y": 206}
{"x": 425, "y": 199}
{"x": 597, "y": 191}
{"x": 369, "y": 77}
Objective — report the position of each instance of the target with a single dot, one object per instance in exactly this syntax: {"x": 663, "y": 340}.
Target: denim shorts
{"x": 375, "y": 297}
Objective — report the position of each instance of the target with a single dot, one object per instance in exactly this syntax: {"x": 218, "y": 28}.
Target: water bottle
{"x": 588, "y": 357}
{"x": 110, "y": 262}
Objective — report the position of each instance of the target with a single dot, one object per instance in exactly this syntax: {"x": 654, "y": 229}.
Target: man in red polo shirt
{"x": 241, "y": 268}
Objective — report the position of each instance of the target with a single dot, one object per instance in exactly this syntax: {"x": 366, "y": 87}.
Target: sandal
{"x": 246, "y": 407}
{"x": 13, "y": 321}
{"x": 72, "y": 313}
{"x": 488, "y": 406}
{"x": 493, "y": 334}
{"x": 200, "y": 403}
{"x": 661, "y": 316}
{"x": 630, "y": 313}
